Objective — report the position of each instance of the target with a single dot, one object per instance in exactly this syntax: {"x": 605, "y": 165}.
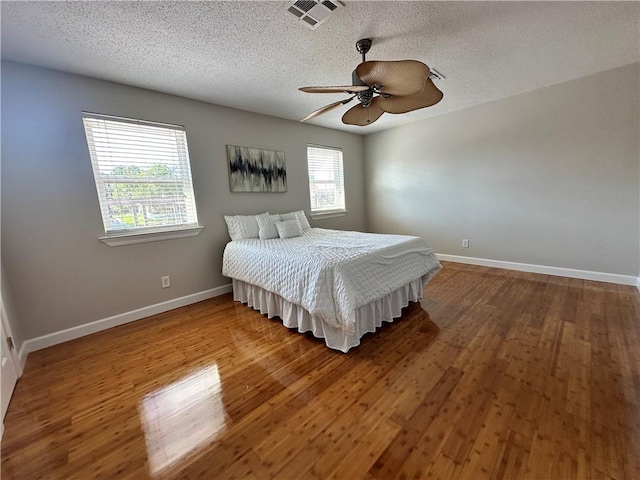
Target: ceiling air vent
{"x": 312, "y": 13}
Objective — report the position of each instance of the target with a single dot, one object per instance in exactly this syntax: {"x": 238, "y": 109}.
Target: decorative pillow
{"x": 289, "y": 228}
{"x": 288, "y": 216}
{"x": 267, "y": 226}
{"x": 285, "y": 217}
{"x": 242, "y": 226}
{"x": 300, "y": 216}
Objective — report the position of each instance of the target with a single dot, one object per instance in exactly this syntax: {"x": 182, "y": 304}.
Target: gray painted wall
{"x": 548, "y": 177}
{"x": 59, "y": 274}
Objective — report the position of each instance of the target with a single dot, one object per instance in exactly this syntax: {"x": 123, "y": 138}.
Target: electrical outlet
{"x": 166, "y": 281}
{"x": 465, "y": 243}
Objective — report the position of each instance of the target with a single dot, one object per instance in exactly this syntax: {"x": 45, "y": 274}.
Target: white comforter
{"x": 330, "y": 273}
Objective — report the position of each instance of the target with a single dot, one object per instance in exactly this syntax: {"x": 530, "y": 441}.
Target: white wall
{"x": 60, "y": 274}
{"x": 549, "y": 177}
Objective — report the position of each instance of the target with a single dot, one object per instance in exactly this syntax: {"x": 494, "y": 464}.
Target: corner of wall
{"x": 22, "y": 357}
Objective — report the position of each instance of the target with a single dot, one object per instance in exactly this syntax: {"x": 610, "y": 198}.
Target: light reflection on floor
{"x": 181, "y": 417}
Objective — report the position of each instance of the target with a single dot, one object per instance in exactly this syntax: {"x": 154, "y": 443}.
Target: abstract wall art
{"x": 256, "y": 170}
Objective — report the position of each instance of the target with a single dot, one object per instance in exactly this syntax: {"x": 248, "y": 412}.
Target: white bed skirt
{"x": 368, "y": 317}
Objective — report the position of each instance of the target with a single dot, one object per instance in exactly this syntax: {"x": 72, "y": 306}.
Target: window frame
{"x": 333, "y": 212}
{"x": 127, "y": 236}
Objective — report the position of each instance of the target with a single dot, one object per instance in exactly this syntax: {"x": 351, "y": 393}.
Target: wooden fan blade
{"x": 347, "y": 88}
{"x": 325, "y": 109}
{"x": 363, "y": 116}
{"x": 407, "y": 103}
{"x": 403, "y": 77}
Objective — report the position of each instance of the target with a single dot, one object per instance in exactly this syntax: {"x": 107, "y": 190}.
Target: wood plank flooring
{"x": 496, "y": 374}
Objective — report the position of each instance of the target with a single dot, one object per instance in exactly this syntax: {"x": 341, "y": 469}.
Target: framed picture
{"x": 256, "y": 170}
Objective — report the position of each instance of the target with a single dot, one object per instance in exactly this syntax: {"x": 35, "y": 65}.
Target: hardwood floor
{"x": 500, "y": 374}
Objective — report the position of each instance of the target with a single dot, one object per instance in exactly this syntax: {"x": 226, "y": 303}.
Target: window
{"x": 326, "y": 179}
{"x": 142, "y": 175}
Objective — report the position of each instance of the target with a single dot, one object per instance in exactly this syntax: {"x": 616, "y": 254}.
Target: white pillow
{"x": 288, "y": 216}
{"x": 285, "y": 217}
{"x": 267, "y": 225}
{"x": 242, "y": 226}
{"x": 289, "y": 228}
{"x": 302, "y": 218}
{"x": 298, "y": 215}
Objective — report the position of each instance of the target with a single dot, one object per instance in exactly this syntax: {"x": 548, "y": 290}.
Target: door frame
{"x": 11, "y": 352}
{"x": 6, "y": 326}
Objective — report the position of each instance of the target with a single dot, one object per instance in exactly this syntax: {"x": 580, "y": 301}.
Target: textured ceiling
{"x": 253, "y": 55}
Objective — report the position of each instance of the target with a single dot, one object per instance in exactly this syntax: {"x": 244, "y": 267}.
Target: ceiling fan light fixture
{"x": 365, "y": 97}
{"x": 383, "y": 86}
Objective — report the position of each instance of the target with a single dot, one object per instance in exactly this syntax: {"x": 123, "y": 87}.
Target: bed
{"x": 338, "y": 285}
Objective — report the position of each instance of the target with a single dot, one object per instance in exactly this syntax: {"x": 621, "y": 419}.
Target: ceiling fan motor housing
{"x": 356, "y": 80}
{"x": 366, "y": 96}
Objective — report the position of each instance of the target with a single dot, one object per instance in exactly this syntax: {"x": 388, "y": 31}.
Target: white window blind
{"x": 326, "y": 179}
{"x": 142, "y": 174}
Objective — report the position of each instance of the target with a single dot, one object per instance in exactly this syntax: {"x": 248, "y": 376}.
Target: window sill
{"x": 323, "y": 215}
{"x": 131, "y": 238}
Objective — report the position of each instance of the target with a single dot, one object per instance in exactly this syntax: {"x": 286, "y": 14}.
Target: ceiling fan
{"x": 381, "y": 86}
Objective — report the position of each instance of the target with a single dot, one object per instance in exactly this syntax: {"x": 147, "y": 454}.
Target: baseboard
{"x": 560, "y": 272}
{"x": 62, "y": 336}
